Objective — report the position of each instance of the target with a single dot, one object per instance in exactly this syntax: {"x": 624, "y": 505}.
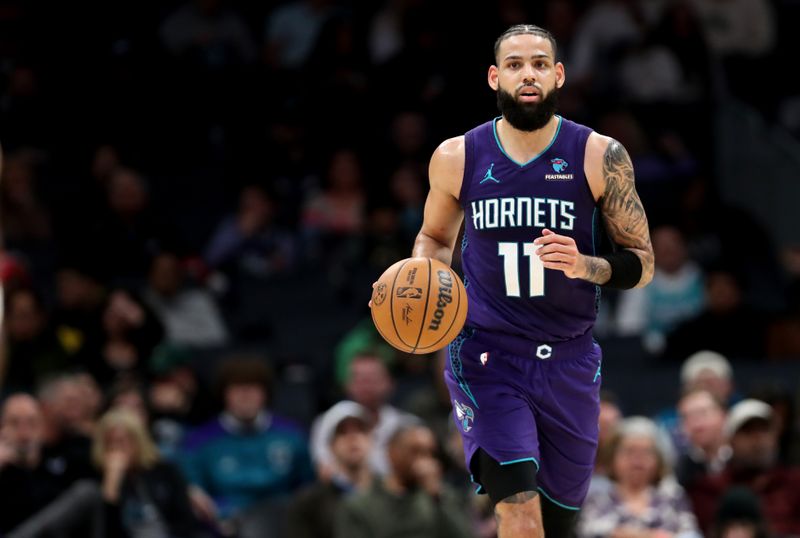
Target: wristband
{"x": 626, "y": 269}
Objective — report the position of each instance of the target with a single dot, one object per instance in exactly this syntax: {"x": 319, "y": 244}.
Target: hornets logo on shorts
{"x": 464, "y": 414}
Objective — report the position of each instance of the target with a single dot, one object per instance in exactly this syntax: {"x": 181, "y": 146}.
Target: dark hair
{"x": 244, "y": 370}
{"x": 526, "y": 29}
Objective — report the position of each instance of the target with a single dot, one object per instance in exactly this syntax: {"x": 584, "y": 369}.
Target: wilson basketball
{"x": 419, "y": 305}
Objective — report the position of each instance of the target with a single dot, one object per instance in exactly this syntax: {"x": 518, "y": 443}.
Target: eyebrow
{"x": 518, "y": 57}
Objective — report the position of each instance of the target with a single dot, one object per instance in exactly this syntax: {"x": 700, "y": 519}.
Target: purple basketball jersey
{"x": 506, "y": 206}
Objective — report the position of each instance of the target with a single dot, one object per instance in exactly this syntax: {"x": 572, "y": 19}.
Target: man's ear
{"x": 493, "y": 76}
{"x": 561, "y": 75}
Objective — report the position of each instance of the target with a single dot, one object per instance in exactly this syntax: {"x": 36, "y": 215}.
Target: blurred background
{"x": 196, "y": 197}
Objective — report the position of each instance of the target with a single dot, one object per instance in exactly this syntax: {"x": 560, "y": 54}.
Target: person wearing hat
{"x": 706, "y": 370}
{"x": 751, "y": 433}
{"x": 347, "y": 429}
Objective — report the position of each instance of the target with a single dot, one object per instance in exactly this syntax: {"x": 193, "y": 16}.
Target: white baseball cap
{"x": 335, "y": 415}
{"x": 705, "y": 360}
{"x": 745, "y": 411}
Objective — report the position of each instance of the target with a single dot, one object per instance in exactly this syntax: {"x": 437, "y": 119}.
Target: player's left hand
{"x": 561, "y": 253}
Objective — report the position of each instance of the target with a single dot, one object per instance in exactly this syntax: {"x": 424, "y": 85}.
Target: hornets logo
{"x": 464, "y": 414}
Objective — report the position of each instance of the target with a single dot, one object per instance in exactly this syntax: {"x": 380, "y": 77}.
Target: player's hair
{"x": 526, "y": 29}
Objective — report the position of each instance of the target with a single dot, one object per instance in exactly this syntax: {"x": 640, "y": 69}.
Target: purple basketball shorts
{"x": 520, "y": 400}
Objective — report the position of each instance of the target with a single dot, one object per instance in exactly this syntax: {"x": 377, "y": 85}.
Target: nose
{"x": 528, "y": 73}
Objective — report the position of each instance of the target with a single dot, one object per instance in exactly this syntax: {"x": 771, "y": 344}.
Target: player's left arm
{"x": 609, "y": 172}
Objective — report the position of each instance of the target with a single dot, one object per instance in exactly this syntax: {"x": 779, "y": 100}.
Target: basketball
{"x": 419, "y": 305}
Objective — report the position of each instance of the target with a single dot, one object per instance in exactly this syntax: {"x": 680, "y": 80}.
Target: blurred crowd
{"x": 196, "y": 196}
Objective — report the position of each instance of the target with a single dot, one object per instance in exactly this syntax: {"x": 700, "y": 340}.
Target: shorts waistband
{"x": 524, "y": 347}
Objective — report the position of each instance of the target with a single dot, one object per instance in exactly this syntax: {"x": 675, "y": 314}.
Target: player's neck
{"x": 523, "y": 146}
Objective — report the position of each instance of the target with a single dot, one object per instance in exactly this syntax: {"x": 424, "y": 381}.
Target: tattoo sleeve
{"x": 622, "y": 209}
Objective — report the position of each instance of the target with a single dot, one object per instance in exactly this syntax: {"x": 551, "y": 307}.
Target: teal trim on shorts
{"x": 520, "y": 461}
{"x": 552, "y": 500}
{"x": 455, "y": 362}
{"x": 499, "y": 145}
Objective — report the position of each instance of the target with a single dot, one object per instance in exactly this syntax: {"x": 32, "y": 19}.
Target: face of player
{"x": 527, "y": 79}
{"x": 702, "y": 420}
{"x": 636, "y": 461}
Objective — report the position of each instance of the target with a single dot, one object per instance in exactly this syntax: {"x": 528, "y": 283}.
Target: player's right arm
{"x": 443, "y": 213}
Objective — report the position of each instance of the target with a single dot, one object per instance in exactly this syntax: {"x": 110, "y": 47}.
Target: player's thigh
{"x": 491, "y": 413}
{"x": 568, "y": 429}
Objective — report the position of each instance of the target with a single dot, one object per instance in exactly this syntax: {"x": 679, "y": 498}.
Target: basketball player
{"x": 524, "y": 374}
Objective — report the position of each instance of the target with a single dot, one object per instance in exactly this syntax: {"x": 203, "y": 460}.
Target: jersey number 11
{"x": 510, "y": 254}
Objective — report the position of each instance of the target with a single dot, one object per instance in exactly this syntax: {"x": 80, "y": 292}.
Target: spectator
{"x": 739, "y": 515}
{"x": 131, "y": 333}
{"x": 69, "y": 420}
{"x": 413, "y": 488}
{"x": 25, "y": 220}
{"x": 37, "y": 495}
{"x": 204, "y": 33}
{"x": 370, "y": 385}
{"x": 292, "y": 30}
{"x": 674, "y": 295}
{"x": 32, "y": 350}
{"x": 753, "y": 464}
{"x": 142, "y": 494}
{"x": 247, "y": 457}
{"x": 702, "y": 418}
{"x": 727, "y": 325}
{"x": 338, "y": 210}
{"x": 249, "y": 241}
{"x": 128, "y": 394}
{"x": 704, "y": 370}
{"x": 609, "y": 420}
{"x": 644, "y": 499}
{"x": 130, "y": 233}
{"x": 189, "y": 315}
{"x": 77, "y": 319}
{"x": 346, "y": 428}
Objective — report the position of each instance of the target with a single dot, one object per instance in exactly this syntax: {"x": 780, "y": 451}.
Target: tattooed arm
{"x": 622, "y": 209}
{"x": 610, "y": 174}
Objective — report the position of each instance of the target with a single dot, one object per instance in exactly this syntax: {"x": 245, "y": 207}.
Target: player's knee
{"x": 519, "y": 516}
{"x": 502, "y": 482}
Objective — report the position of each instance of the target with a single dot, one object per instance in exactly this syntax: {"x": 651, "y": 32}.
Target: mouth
{"x": 529, "y": 94}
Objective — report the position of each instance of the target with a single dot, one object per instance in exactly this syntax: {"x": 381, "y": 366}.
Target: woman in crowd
{"x": 143, "y": 495}
{"x": 644, "y": 500}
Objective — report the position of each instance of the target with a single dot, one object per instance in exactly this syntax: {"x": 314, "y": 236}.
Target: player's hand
{"x": 561, "y": 253}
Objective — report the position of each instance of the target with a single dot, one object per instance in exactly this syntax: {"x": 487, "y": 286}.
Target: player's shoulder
{"x": 451, "y": 150}
{"x": 598, "y": 143}
{"x": 446, "y": 169}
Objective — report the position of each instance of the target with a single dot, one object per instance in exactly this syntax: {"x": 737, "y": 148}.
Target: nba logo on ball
{"x": 419, "y": 305}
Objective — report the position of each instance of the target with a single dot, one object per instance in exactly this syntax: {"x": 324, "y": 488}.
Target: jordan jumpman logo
{"x": 489, "y": 176}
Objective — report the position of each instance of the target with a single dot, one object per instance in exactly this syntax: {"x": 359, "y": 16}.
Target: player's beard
{"x": 527, "y": 116}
